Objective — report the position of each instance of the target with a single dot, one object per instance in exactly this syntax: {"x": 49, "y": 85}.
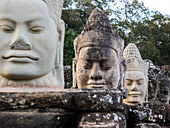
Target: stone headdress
{"x": 98, "y": 32}
{"x": 134, "y": 61}
{"x": 55, "y": 8}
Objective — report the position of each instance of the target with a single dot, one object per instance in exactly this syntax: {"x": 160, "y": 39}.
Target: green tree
{"x": 75, "y": 20}
{"x": 76, "y": 12}
{"x": 70, "y": 35}
{"x": 130, "y": 19}
{"x": 127, "y": 14}
{"x": 148, "y": 30}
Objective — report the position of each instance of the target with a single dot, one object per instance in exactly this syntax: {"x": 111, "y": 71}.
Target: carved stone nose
{"x": 20, "y": 44}
{"x": 134, "y": 89}
{"x": 96, "y": 77}
{"x": 95, "y": 73}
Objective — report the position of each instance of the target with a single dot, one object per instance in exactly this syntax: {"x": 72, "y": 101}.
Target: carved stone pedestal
{"x": 103, "y": 120}
{"x": 153, "y": 112}
{"x": 37, "y": 119}
{"x": 147, "y": 125}
{"x": 167, "y": 106}
{"x": 50, "y": 108}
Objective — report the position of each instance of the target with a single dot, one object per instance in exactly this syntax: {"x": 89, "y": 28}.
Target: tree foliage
{"x": 70, "y": 35}
{"x": 150, "y": 31}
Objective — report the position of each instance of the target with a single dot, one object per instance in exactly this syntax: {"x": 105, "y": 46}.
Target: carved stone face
{"x": 152, "y": 89}
{"x": 28, "y": 37}
{"x": 97, "y": 67}
{"x": 136, "y": 84}
{"x": 164, "y": 95}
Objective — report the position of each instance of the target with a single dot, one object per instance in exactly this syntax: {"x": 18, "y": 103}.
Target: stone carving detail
{"x": 147, "y": 125}
{"x": 164, "y": 93}
{"x": 29, "y": 56}
{"x": 150, "y": 112}
{"x": 20, "y": 44}
{"x": 136, "y": 75}
{"x": 155, "y": 75}
{"x": 98, "y": 54}
{"x": 103, "y": 120}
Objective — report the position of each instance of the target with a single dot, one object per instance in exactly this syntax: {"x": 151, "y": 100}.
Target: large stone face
{"x": 136, "y": 80}
{"x": 98, "y": 55}
{"x": 97, "y": 68}
{"x": 26, "y": 57}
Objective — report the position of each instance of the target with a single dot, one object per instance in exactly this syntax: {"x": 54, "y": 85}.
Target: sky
{"x": 162, "y": 6}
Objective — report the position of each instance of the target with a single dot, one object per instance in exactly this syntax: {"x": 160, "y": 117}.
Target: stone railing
{"x": 75, "y": 108}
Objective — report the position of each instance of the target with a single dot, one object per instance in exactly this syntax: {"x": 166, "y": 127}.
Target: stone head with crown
{"x": 98, "y": 53}
{"x": 136, "y": 80}
{"x": 31, "y": 49}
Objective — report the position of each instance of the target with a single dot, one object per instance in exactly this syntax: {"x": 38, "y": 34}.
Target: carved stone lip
{"x": 96, "y": 82}
{"x": 134, "y": 93}
{"x": 164, "y": 99}
{"x": 133, "y": 102}
{"x": 18, "y": 57}
{"x": 100, "y": 86}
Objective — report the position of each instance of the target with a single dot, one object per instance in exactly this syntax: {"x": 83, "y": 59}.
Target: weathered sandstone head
{"x": 164, "y": 92}
{"x": 136, "y": 75}
{"x": 32, "y": 37}
{"x": 98, "y": 54}
{"x": 155, "y": 75}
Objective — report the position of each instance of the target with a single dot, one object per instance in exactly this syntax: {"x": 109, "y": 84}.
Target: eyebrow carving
{"x": 7, "y": 19}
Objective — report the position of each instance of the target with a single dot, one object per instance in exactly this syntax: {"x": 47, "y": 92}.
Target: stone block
{"x": 151, "y": 112}
{"x": 72, "y": 99}
{"x": 147, "y": 125}
{"x": 37, "y": 119}
{"x": 167, "y": 106}
{"x": 103, "y": 120}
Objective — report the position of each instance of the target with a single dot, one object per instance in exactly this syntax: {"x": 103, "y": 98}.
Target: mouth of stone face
{"x": 20, "y": 58}
{"x": 134, "y": 94}
{"x": 133, "y": 102}
{"x": 97, "y": 86}
{"x": 164, "y": 99}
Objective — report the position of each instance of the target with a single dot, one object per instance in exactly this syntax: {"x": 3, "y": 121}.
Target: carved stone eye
{"x": 6, "y": 28}
{"x": 140, "y": 81}
{"x": 87, "y": 65}
{"x": 128, "y": 82}
{"x": 105, "y": 65}
{"x": 165, "y": 92}
{"x": 36, "y": 29}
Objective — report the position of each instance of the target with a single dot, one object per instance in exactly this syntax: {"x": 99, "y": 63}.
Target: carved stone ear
{"x": 74, "y": 73}
{"x": 146, "y": 95}
{"x": 61, "y": 32}
{"x": 122, "y": 86}
{"x": 59, "y": 53}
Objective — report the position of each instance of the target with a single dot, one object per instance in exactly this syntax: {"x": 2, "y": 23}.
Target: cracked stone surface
{"x": 103, "y": 120}
{"x": 87, "y": 99}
